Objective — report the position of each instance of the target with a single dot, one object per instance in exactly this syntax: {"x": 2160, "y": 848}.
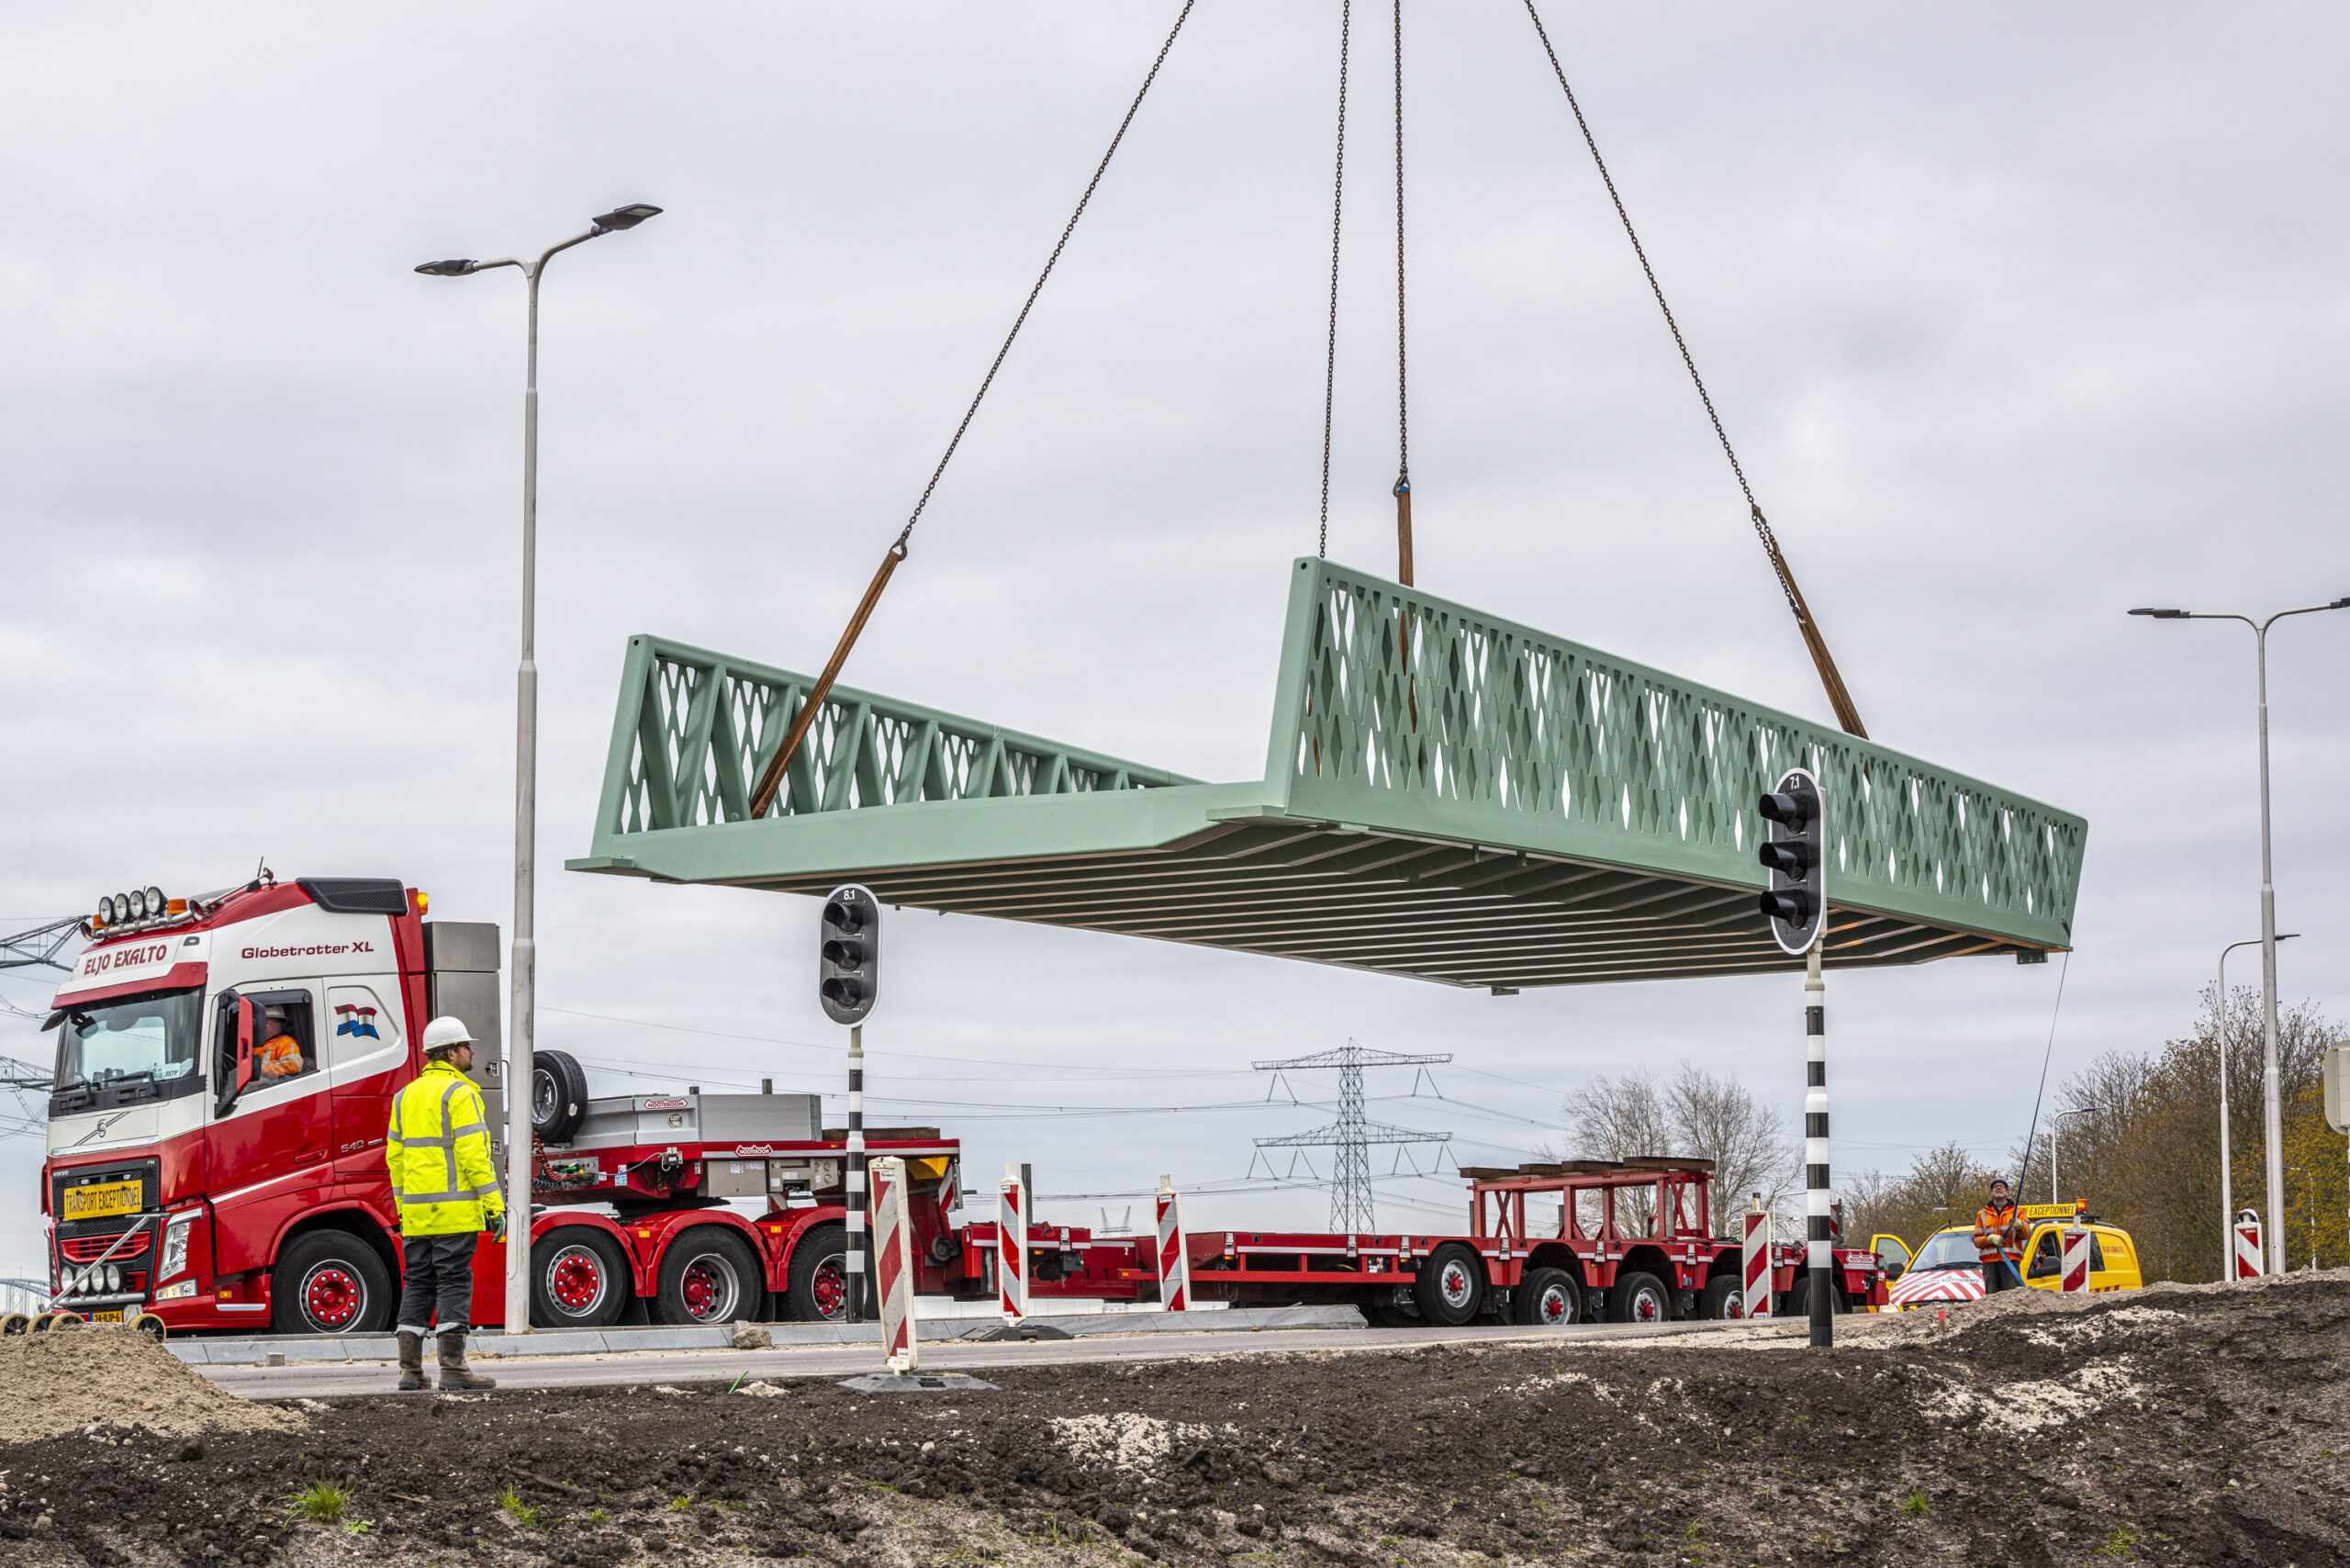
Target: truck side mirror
{"x": 247, "y": 1023}
{"x": 237, "y": 1020}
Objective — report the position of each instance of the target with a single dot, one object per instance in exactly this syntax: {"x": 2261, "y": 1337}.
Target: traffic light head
{"x": 1793, "y": 853}
{"x": 849, "y": 961}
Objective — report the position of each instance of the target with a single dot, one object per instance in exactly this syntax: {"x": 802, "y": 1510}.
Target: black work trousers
{"x": 439, "y": 1285}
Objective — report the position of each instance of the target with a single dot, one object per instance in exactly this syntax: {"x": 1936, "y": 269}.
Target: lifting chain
{"x": 1402, "y": 401}
{"x": 1847, "y": 714}
{"x": 1337, "y": 210}
{"x": 771, "y": 776}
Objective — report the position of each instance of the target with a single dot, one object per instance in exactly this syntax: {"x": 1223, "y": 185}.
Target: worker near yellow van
{"x": 1998, "y": 1239}
{"x": 438, "y": 1148}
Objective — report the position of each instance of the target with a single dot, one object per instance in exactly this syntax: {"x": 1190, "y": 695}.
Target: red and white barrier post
{"x": 1758, "y": 1261}
{"x": 1012, "y": 1246}
{"x": 2076, "y": 1259}
{"x": 893, "y": 1264}
{"x": 1174, "y": 1251}
{"x": 2248, "y": 1244}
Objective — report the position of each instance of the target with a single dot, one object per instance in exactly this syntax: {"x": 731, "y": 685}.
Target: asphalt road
{"x": 648, "y": 1368}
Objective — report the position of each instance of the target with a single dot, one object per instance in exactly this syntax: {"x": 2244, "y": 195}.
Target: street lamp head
{"x": 446, "y": 269}
{"x": 2163, "y": 614}
{"x": 627, "y": 217}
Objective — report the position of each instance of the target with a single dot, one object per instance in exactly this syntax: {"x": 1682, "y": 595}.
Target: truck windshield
{"x": 150, "y": 1038}
{"x": 1948, "y": 1249}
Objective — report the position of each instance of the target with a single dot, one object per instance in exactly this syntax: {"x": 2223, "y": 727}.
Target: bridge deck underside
{"x": 1363, "y": 900}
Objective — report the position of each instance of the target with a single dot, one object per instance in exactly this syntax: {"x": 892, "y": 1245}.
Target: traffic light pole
{"x": 1820, "y": 1260}
{"x": 857, "y": 1251}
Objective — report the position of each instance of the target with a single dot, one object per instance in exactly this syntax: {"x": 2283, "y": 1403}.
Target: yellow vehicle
{"x": 1946, "y": 1267}
{"x": 2113, "y": 1257}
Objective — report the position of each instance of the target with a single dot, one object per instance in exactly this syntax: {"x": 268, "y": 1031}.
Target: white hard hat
{"x": 443, "y": 1033}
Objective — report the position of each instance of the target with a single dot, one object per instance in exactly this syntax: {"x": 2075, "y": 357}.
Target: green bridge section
{"x": 1446, "y": 795}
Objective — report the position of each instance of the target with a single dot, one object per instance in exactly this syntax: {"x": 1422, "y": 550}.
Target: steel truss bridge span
{"x": 1446, "y": 795}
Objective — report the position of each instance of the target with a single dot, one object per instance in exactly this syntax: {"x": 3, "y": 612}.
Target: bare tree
{"x": 1693, "y": 1114}
{"x": 1720, "y": 1119}
{"x": 1941, "y": 1188}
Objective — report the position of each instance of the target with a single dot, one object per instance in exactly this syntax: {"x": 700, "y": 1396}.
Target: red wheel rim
{"x": 575, "y": 1280}
{"x": 829, "y": 1285}
{"x": 333, "y": 1296}
{"x": 1453, "y": 1284}
{"x": 709, "y": 1288}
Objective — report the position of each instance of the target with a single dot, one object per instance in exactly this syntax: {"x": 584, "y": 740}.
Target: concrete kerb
{"x": 312, "y": 1350}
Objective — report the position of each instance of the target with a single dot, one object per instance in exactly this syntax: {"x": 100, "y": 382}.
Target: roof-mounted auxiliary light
{"x": 138, "y": 902}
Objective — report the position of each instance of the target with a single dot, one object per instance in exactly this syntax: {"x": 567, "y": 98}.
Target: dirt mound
{"x": 107, "y": 1377}
{"x": 2188, "y": 1426}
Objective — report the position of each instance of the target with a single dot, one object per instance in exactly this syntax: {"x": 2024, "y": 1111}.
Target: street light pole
{"x": 2227, "y": 1159}
{"x": 521, "y": 1006}
{"x": 2056, "y": 1124}
{"x": 2272, "y": 1100}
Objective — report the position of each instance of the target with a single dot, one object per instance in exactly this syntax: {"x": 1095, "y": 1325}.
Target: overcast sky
{"x": 2019, "y": 317}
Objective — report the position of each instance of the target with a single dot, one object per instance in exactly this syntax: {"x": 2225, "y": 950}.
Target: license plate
{"x": 111, "y": 1316}
{"x": 102, "y": 1199}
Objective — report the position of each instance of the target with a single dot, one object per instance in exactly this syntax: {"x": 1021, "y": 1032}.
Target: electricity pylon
{"x": 1353, "y": 1133}
{"x": 39, "y": 945}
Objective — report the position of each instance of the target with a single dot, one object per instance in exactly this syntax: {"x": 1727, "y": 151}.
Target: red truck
{"x": 187, "y": 1179}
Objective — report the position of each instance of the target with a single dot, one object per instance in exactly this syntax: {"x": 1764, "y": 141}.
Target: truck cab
{"x": 224, "y": 1070}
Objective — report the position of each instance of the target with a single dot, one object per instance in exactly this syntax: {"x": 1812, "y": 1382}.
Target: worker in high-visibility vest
{"x": 281, "y": 1054}
{"x": 1998, "y": 1239}
{"x": 438, "y": 1148}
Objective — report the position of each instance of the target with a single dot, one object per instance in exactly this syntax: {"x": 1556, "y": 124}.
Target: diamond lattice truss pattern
{"x": 1446, "y": 795}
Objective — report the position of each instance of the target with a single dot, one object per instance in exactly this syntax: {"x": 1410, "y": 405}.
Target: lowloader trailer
{"x": 186, "y": 1179}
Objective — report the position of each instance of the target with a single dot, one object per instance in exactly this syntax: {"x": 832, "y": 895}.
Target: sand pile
{"x": 102, "y": 1376}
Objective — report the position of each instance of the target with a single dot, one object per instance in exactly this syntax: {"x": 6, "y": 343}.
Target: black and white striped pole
{"x": 858, "y": 1253}
{"x": 849, "y": 969}
{"x": 1821, "y": 1253}
{"x": 1795, "y": 852}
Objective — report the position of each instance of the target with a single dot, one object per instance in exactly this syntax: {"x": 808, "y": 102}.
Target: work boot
{"x": 454, "y": 1375}
{"x": 411, "y": 1361}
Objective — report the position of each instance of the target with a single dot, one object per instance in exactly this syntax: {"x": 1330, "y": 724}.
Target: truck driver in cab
{"x": 280, "y": 1055}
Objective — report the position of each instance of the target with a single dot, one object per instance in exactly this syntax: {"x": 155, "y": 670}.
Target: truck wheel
{"x": 709, "y": 1276}
{"x": 1547, "y": 1298}
{"x": 1799, "y": 1299}
{"x": 1639, "y": 1298}
{"x": 330, "y": 1282}
{"x": 1451, "y": 1287}
{"x": 558, "y": 1095}
{"x": 578, "y": 1280}
{"x": 1724, "y": 1301}
{"x": 819, "y": 1289}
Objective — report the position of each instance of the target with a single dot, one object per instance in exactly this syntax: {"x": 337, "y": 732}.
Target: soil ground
{"x": 2197, "y": 1425}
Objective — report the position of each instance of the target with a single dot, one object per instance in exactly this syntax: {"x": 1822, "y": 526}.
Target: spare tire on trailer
{"x": 558, "y": 1095}
{"x": 817, "y": 1291}
{"x": 579, "y": 1279}
{"x": 1451, "y": 1287}
{"x": 1550, "y": 1298}
{"x": 709, "y": 1275}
